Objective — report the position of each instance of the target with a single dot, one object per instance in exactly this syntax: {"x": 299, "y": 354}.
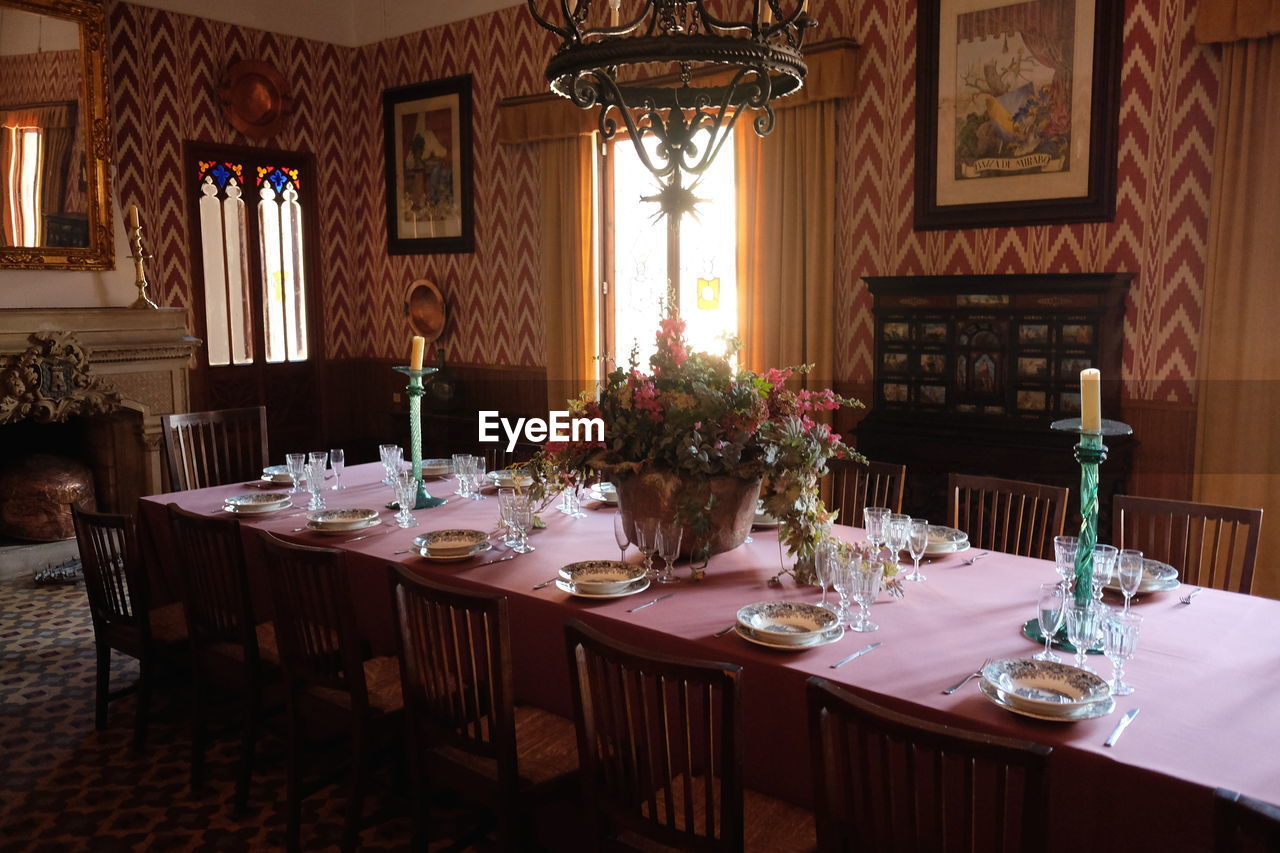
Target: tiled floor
{"x": 64, "y": 786}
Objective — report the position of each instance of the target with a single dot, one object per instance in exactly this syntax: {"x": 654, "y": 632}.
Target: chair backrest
{"x": 1214, "y": 546}
{"x": 658, "y": 742}
{"x": 887, "y": 781}
{"x": 113, "y": 580}
{"x": 455, "y": 667}
{"x": 1012, "y": 516}
{"x": 855, "y": 486}
{"x": 497, "y": 457}
{"x": 1244, "y": 825}
{"x": 315, "y": 625}
{"x": 215, "y": 448}
{"x": 214, "y": 580}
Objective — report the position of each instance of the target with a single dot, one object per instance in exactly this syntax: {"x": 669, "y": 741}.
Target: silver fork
{"x": 1186, "y": 599}
{"x": 953, "y": 688}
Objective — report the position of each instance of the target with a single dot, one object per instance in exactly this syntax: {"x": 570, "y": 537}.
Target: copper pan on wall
{"x": 425, "y": 307}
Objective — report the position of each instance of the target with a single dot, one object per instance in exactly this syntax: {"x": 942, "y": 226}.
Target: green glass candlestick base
{"x": 415, "y": 390}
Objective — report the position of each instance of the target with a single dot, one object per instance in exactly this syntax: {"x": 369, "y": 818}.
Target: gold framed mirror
{"x": 55, "y": 137}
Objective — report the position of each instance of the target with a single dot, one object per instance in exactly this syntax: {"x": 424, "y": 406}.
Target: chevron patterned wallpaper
{"x": 165, "y": 68}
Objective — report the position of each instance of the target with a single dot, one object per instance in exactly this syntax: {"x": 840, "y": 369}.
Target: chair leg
{"x": 143, "y": 712}
{"x": 248, "y": 743}
{"x": 104, "y": 686}
{"x": 293, "y": 783}
{"x": 355, "y": 806}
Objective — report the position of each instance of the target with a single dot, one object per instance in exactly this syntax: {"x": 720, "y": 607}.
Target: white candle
{"x": 1090, "y": 399}
{"x": 415, "y": 356}
{"x": 132, "y": 217}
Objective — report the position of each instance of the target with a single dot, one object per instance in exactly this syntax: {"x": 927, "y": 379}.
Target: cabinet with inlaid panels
{"x": 970, "y": 370}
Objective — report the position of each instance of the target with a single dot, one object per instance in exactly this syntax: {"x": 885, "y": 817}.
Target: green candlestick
{"x": 424, "y": 499}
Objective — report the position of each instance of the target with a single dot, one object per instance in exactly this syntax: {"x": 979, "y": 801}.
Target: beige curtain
{"x": 1229, "y": 20}
{"x": 786, "y": 241}
{"x": 1238, "y": 454}
{"x": 570, "y": 303}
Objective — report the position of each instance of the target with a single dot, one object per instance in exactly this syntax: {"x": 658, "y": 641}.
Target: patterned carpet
{"x": 64, "y": 786}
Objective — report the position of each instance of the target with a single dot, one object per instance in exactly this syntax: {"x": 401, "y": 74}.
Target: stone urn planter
{"x": 659, "y": 493}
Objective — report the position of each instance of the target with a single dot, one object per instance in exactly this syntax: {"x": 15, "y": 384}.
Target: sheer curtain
{"x": 1238, "y": 457}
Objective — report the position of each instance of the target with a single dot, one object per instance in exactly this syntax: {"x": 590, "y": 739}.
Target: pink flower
{"x": 777, "y": 378}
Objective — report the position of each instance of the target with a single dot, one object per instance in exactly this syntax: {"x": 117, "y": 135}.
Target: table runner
{"x": 1207, "y": 675}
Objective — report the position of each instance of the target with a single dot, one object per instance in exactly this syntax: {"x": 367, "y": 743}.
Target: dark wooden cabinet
{"x": 971, "y": 370}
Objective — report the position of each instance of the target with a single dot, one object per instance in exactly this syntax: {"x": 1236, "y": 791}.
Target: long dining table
{"x": 1207, "y": 675}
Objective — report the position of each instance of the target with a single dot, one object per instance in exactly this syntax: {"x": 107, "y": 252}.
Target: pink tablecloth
{"x": 1207, "y": 675}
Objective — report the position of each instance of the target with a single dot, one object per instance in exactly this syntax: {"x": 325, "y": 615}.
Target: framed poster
{"x": 1017, "y": 112}
{"x": 427, "y": 129}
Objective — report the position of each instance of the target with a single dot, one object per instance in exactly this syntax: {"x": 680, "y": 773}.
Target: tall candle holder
{"x": 1090, "y": 452}
{"x": 415, "y": 389}
{"x": 140, "y": 275}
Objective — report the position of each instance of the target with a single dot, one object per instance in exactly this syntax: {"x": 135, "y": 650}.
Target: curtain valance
{"x": 1236, "y": 20}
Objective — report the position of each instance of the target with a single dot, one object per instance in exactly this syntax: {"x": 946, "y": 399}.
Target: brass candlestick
{"x": 135, "y": 243}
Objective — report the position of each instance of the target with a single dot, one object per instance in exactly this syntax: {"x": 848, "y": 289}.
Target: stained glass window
{"x": 284, "y": 303}
{"x": 227, "y": 306}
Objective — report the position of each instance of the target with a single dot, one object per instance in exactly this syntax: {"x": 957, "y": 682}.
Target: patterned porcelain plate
{"x": 341, "y": 520}
{"x": 338, "y": 531}
{"x": 829, "y": 636}
{"x": 1068, "y": 715}
{"x": 763, "y": 519}
{"x": 260, "y": 502}
{"x": 786, "y": 623}
{"x": 507, "y": 479}
{"x": 946, "y": 540}
{"x": 451, "y": 543}
{"x": 436, "y": 467}
{"x": 448, "y": 558}
{"x": 604, "y": 492}
{"x": 1156, "y": 577}
{"x": 630, "y": 589}
{"x": 602, "y": 575}
{"x": 277, "y": 474}
{"x": 1045, "y": 687}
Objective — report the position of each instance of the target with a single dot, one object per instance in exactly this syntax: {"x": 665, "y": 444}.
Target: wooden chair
{"x": 215, "y": 448}
{"x": 1214, "y": 546}
{"x": 1243, "y": 824}
{"x": 123, "y": 619}
{"x": 497, "y": 457}
{"x": 326, "y": 676}
{"x": 229, "y": 650}
{"x": 886, "y": 781}
{"x": 1007, "y": 515}
{"x": 659, "y": 742}
{"x": 463, "y": 724}
{"x": 855, "y": 486}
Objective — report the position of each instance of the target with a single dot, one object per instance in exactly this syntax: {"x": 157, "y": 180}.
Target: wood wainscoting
{"x": 1165, "y": 460}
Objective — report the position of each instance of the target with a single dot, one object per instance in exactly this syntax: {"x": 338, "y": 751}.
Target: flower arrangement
{"x": 698, "y": 415}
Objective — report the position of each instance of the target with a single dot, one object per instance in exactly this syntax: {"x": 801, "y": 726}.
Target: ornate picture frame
{"x": 430, "y": 205}
{"x": 1017, "y": 112}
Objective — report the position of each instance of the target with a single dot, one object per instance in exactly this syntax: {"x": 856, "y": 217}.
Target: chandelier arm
{"x": 572, "y": 19}
{"x": 609, "y": 127}
{"x": 543, "y": 22}
{"x": 725, "y": 24}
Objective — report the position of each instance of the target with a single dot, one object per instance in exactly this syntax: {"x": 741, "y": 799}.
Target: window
{"x": 636, "y": 243}
{"x": 22, "y": 171}
{"x": 250, "y": 215}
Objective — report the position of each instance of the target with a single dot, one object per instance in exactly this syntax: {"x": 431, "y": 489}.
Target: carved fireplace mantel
{"x": 120, "y": 368}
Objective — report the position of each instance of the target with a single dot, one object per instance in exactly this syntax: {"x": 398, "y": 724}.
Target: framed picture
{"x": 1017, "y": 112}
{"x": 427, "y": 129}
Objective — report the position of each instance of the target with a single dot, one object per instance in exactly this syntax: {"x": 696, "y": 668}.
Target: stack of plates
{"x": 604, "y": 492}
{"x": 946, "y": 540}
{"x": 602, "y": 579}
{"x": 451, "y": 544}
{"x": 342, "y": 520}
{"x": 257, "y": 503}
{"x": 507, "y": 479}
{"x": 1156, "y": 577}
{"x": 436, "y": 467}
{"x": 788, "y": 625}
{"x": 277, "y": 474}
{"x": 763, "y": 519}
{"x": 1046, "y": 690}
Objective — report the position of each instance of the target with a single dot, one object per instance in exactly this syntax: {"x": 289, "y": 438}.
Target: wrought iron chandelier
{"x": 608, "y": 60}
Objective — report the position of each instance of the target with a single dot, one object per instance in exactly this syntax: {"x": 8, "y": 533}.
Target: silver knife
{"x": 859, "y": 653}
{"x": 648, "y": 603}
{"x": 1121, "y": 726}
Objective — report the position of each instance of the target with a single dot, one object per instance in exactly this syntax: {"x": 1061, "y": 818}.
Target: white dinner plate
{"x": 333, "y": 531}
{"x": 639, "y": 586}
{"x": 1045, "y": 687}
{"x": 1156, "y": 577}
{"x": 277, "y": 474}
{"x": 257, "y": 502}
{"x": 821, "y": 640}
{"x": 945, "y": 540}
{"x": 235, "y": 510}
{"x": 787, "y": 623}
{"x": 1075, "y": 715}
{"x": 450, "y": 558}
{"x": 602, "y": 576}
{"x": 763, "y": 519}
{"x": 451, "y": 543}
{"x": 604, "y": 497}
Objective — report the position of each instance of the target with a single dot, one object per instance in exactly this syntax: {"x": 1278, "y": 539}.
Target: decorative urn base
{"x": 660, "y": 494}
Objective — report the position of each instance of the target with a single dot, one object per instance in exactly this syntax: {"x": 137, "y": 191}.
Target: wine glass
{"x": 461, "y": 473}
{"x": 521, "y": 519}
{"x": 1120, "y": 640}
{"x": 476, "y": 474}
{"x": 874, "y": 518}
{"x": 1084, "y": 623}
{"x": 917, "y": 542}
{"x": 897, "y": 531}
{"x": 866, "y": 586}
{"x": 1130, "y": 574}
{"x": 337, "y": 461}
{"x": 506, "y": 496}
{"x": 1049, "y": 612}
{"x": 1064, "y": 559}
{"x": 621, "y": 535}
{"x": 824, "y": 555}
{"x": 297, "y": 465}
{"x": 840, "y": 570}
{"x": 315, "y": 483}
{"x": 646, "y": 539}
{"x": 390, "y": 454}
{"x": 669, "y": 535}
{"x": 406, "y": 486}
{"x": 1104, "y": 563}
{"x": 319, "y": 460}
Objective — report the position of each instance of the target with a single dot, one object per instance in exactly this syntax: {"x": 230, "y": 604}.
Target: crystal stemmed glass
{"x": 866, "y": 586}
{"x": 840, "y": 570}
{"x": 1064, "y": 559}
{"x": 319, "y": 460}
{"x": 874, "y": 518}
{"x": 337, "y": 461}
{"x": 506, "y": 497}
{"x": 1049, "y": 613}
{"x": 521, "y": 519}
{"x": 297, "y": 465}
{"x": 1129, "y": 574}
{"x": 669, "y": 535}
{"x": 646, "y": 539}
{"x": 1083, "y": 626}
{"x": 1120, "y": 640}
{"x": 477, "y": 474}
{"x": 823, "y": 556}
{"x": 406, "y": 486}
{"x": 917, "y": 542}
{"x": 897, "y": 529}
{"x": 620, "y": 535}
{"x": 1104, "y": 563}
{"x": 390, "y": 454}
{"x": 461, "y": 473}
{"x": 315, "y": 483}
